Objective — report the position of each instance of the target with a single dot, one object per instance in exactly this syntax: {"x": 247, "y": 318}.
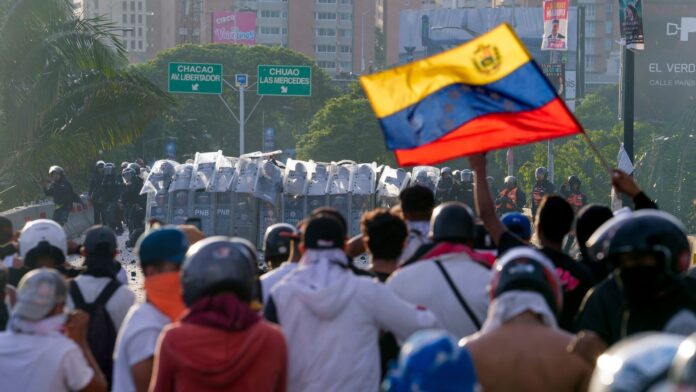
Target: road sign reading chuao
{"x": 289, "y": 80}
{"x": 195, "y": 78}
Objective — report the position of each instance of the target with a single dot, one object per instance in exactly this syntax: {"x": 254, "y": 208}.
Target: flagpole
{"x": 599, "y": 155}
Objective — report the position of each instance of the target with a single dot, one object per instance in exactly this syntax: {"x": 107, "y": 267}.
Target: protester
{"x": 278, "y": 244}
{"x": 648, "y": 292}
{"x": 7, "y": 297}
{"x": 589, "y": 219}
{"x": 291, "y": 239}
{"x": 431, "y": 360}
{"x": 450, "y": 279}
{"x": 541, "y": 188}
{"x": 58, "y": 187}
{"x": 417, "y": 204}
{"x": 518, "y": 224}
{"x": 8, "y": 245}
{"x": 96, "y": 193}
{"x": 34, "y": 353}
{"x": 384, "y": 235}
{"x": 572, "y": 193}
{"x": 43, "y": 243}
{"x": 101, "y": 295}
{"x": 331, "y": 318}
{"x": 160, "y": 254}
{"x": 553, "y": 223}
{"x": 222, "y": 344}
{"x": 520, "y": 347}
{"x": 511, "y": 198}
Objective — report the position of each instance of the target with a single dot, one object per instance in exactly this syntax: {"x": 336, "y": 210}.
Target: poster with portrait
{"x": 631, "y": 21}
{"x": 555, "y": 25}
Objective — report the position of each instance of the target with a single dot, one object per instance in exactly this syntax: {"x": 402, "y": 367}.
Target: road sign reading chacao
{"x": 287, "y": 80}
{"x": 195, "y": 78}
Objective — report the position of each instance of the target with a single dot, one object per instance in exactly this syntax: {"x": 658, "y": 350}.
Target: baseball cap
{"x": 518, "y": 224}
{"x": 100, "y": 239}
{"x": 38, "y": 293}
{"x": 323, "y": 232}
{"x": 165, "y": 244}
{"x": 42, "y": 230}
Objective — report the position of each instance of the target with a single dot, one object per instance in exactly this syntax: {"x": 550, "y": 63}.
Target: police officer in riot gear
{"x": 572, "y": 193}
{"x": 133, "y": 203}
{"x": 58, "y": 187}
{"x": 445, "y": 186}
{"x": 96, "y": 193}
{"x": 541, "y": 188}
{"x": 466, "y": 187}
{"x": 511, "y": 198}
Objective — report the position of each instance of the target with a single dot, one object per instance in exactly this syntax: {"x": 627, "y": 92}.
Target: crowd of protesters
{"x": 460, "y": 295}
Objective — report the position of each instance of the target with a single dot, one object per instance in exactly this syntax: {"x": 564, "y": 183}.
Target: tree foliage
{"x": 202, "y": 122}
{"x": 64, "y": 93}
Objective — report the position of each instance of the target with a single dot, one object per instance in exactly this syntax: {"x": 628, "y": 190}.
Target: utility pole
{"x": 628, "y": 100}
{"x": 242, "y": 120}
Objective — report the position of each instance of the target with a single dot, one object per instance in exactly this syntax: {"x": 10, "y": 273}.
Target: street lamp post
{"x": 362, "y": 42}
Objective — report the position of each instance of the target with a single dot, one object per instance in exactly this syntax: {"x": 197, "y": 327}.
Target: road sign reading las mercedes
{"x": 285, "y": 80}
{"x": 195, "y": 78}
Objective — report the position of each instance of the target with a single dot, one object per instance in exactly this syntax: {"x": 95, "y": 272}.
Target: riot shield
{"x": 391, "y": 183}
{"x": 339, "y": 187}
{"x": 269, "y": 182}
{"x": 179, "y": 194}
{"x": 202, "y": 207}
{"x": 295, "y": 184}
{"x": 362, "y": 192}
{"x": 203, "y": 169}
{"x": 223, "y": 178}
{"x": 244, "y": 205}
{"x": 157, "y": 186}
{"x": 316, "y": 189}
{"x": 426, "y": 176}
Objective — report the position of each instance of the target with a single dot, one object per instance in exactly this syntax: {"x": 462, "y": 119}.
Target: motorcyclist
{"x": 58, "y": 187}
{"x": 511, "y": 198}
{"x": 572, "y": 193}
{"x": 96, "y": 193}
{"x": 647, "y": 291}
{"x": 541, "y": 188}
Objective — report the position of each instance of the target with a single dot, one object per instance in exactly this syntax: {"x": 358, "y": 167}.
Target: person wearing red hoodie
{"x": 221, "y": 344}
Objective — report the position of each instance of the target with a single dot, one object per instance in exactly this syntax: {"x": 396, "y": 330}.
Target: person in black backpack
{"x": 97, "y": 292}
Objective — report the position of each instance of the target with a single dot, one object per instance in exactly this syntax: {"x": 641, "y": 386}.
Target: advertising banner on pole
{"x": 555, "y": 25}
{"x": 631, "y": 20}
{"x": 234, "y": 27}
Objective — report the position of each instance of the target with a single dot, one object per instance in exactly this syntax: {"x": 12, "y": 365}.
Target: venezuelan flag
{"x": 483, "y": 95}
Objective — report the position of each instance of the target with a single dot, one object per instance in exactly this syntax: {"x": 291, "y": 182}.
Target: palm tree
{"x": 65, "y": 92}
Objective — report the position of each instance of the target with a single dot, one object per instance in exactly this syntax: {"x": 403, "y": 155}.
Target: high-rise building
{"x": 601, "y": 36}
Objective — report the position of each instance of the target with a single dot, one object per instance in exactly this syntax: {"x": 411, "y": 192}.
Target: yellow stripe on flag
{"x": 484, "y": 60}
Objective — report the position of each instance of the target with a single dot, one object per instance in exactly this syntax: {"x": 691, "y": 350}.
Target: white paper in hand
{"x": 624, "y": 162}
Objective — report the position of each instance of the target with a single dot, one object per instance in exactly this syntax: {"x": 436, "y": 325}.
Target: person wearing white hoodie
{"x": 332, "y": 318}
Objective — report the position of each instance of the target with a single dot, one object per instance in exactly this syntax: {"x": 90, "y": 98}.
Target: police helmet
{"x": 510, "y": 180}
{"x": 638, "y": 363}
{"x": 574, "y": 180}
{"x": 452, "y": 221}
{"x": 56, "y": 169}
{"x": 446, "y": 170}
{"x": 135, "y": 167}
{"x": 109, "y": 169}
{"x": 518, "y": 223}
{"x": 527, "y": 269}
{"x": 99, "y": 165}
{"x": 467, "y": 175}
{"x": 124, "y": 165}
{"x": 219, "y": 264}
{"x": 128, "y": 174}
{"x": 276, "y": 241}
{"x": 643, "y": 231}
{"x": 541, "y": 172}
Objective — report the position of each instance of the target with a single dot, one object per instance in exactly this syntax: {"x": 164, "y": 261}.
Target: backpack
{"x": 101, "y": 331}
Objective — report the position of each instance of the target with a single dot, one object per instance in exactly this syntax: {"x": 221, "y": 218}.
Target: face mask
{"x": 46, "y": 326}
{"x": 165, "y": 293}
{"x": 642, "y": 284}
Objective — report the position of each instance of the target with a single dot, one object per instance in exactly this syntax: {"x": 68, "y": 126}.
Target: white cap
{"x": 41, "y": 230}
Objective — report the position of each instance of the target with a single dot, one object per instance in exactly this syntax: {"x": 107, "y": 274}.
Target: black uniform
{"x": 63, "y": 198}
{"x": 540, "y": 189}
{"x": 134, "y": 204}
{"x": 96, "y": 194}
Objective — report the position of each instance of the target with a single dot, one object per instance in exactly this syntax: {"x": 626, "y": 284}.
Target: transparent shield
{"x": 182, "y": 177}
{"x": 203, "y": 208}
{"x": 269, "y": 183}
{"x": 426, "y": 176}
{"x": 178, "y": 206}
{"x": 245, "y": 216}
{"x": 247, "y": 170}
{"x": 157, "y": 206}
{"x": 159, "y": 177}
{"x": 203, "y": 169}
{"x": 224, "y": 175}
{"x": 391, "y": 183}
{"x": 223, "y": 213}
{"x": 295, "y": 179}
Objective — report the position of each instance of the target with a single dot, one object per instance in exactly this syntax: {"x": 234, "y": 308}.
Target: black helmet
{"x": 218, "y": 264}
{"x": 642, "y": 231}
{"x": 574, "y": 180}
{"x": 541, "y": 171}
{"x": 467, "y": 175}
{"x": 452, "y": 221}
{"x": 526, "y": 269}
{"x": 510, "y": 180}
{"x": 276, "y": 241}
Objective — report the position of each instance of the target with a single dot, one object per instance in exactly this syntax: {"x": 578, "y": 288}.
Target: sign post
{"x": 194, "y": 78}
{"x": 285, "y": 80}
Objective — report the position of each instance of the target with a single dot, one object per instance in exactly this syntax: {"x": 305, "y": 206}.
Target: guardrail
{"x": 80, "y": 218}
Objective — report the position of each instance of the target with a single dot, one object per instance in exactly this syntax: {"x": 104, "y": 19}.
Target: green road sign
{"x": 195, "y": 78}
{"x": 285, "y": 80}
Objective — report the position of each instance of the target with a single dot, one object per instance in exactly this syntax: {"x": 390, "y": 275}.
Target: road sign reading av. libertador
{"x": 195, "y": 78}
{"x": 285, "y": 80}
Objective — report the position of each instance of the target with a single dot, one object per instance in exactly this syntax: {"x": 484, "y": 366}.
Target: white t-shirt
{"x": 118, "y": 304}
{"x": 136, "y": 341}
{"x": 42, "y": 363}
{"x": 270, "y": 278}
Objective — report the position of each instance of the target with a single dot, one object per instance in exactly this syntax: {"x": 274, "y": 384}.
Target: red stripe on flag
{"x": 494, "y": 131}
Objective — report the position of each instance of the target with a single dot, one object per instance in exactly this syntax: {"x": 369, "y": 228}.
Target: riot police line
{"x": 242, "y": 196}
